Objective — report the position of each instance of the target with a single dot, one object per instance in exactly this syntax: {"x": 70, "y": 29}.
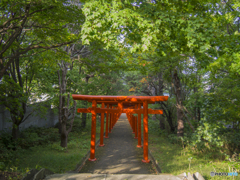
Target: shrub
{"x": 215, "y": 138}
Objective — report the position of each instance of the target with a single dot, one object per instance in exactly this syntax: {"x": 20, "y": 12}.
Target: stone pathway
{"x": 120, "y": 154}
{"x": 119, "y": 159}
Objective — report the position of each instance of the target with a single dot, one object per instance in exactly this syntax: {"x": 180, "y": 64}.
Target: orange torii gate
{"x": 124, "y": 104}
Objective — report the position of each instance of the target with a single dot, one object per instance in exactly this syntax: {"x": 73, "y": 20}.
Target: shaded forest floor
{"x": 173, "y": 158}
{"x": 42, "y": 150}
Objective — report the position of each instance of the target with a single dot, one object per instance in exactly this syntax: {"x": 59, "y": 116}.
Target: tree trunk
{"x": 64, "y": 135}
{"x": 15, "y": 131}
{"x": 18, "y": 108}
{"x": 170, "y": 122}
{"x": 59, "y": 128}
{"x": 17, "y": 119}
{"x": 161, "y": 122}
{"x": 180, "y": 122}
{"x": 64, "y": 110}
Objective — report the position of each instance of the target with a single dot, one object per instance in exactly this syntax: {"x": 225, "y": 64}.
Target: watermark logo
{"x": 212, "y": 174}
{"x": 223, "y": 174}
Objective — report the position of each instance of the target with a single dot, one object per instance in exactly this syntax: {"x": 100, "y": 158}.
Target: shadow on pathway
{"x": 120, "y": 154}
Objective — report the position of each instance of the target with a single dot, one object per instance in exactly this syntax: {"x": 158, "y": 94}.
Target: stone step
{"x": 83, "y": 176}
{"x": 48, "y": 175}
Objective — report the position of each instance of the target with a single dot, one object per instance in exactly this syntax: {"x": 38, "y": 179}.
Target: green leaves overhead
{"x": 30, "y": 25}
{"x": 175, "y": 26}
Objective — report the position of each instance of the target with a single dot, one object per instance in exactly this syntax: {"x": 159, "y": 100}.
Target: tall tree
{"x": 47, "y": 20}
{"x": 66, "y": 117}
{"x": 19, "y": 87}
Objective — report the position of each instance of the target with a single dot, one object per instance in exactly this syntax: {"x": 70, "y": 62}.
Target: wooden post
{"x": 110, "y": 122}
{"x": 93, "y": 132}
{"x": 120, "y": 107}
{"x": 139, "y": 127}
{"x": 106, "y": 134}
{"x": 136, "y": 126}
{"x": 113, "y": 117}
{"x": 135, "y": 119}
{"x": 133, "y": 123}
{"x": 102, "y": 128}
{"x": 145, "y": 132}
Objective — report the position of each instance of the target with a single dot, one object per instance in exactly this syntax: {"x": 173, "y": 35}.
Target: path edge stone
{"x": 42, "y": 174}
{"x": 155, "y": 163}
{"x": 30, "y": 174}
{"x": 84, "y": 159}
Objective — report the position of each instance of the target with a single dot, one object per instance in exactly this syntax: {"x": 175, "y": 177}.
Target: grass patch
{"x": 40, "y": 148}
{"x": 173, "y": 159}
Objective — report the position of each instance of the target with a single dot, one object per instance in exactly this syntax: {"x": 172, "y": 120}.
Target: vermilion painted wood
{"x": 128, "y": 116}
{"x": 120, "y": 107}
{"x": 83, "y": 110}
{"x": 106, "y": 110}
{"x": 113, "y": 118}
{"x": 116, "y": 117}
{"x": 135, "y": 119}
{"x": 139, "y": 128}
{"x": 106, "y": 134}
{"x": 93, "y": 132}
{"x": 102, "y": 127}
{"x": 120, "y": 98}
{"x": 116, "y": 102}
{"x": 130, "y": 120}
{"x": 110, "y": 122}
{"x": 127, "y": 101}
{"x": 145, "y": 132}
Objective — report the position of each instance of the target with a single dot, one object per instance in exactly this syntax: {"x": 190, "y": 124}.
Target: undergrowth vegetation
{"x": 209, "y": 149}
{"x": 40, "y": 148}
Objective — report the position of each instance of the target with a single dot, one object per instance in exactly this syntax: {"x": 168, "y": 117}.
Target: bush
{"x": 215, "y": 138}
{"x": 34, "y": 136}
{"x": 30, "y": 137}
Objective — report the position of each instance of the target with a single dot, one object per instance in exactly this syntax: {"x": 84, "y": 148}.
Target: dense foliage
{"x": 188, "y": 50}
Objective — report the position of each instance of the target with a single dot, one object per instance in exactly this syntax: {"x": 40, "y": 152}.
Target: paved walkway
{"x": 87, "y": 176}
{"x": 119, "y": 159}
{"x": 120, "y": 154}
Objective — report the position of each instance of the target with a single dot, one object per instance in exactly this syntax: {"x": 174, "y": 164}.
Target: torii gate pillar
{"x": 145, "y": 132}
{"x": 115, "y": 114}
{"x": 93, "y": 133}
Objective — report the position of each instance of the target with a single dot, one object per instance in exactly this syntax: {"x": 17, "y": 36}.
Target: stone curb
{"x": 42, "y": 174}
{"x": 155, "y": 163}
{"x": 34, "y": 174}
{"x": 30, "y": 175}
{"x": 84, "y": 159}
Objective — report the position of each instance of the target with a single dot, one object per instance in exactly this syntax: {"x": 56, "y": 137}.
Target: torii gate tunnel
{"x": 125, "y": 104}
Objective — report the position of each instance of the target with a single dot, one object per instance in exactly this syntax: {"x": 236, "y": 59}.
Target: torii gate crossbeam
{"x": 135, "y": 101}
